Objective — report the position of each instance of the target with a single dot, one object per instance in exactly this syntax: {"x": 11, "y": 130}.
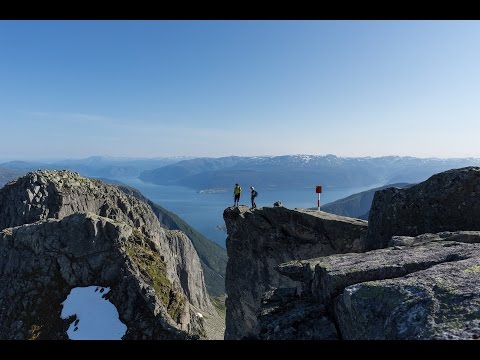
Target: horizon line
{"x": 191, "y": 157}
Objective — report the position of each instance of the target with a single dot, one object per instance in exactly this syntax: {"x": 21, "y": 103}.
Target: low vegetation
{"x": 153, "y": 270}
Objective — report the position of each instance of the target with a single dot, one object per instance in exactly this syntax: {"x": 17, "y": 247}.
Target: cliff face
{"x": 421, "y": 288}
{"x": 261, "y": 239}
{"x": 61, "y": 230}
{"x": 213, "y": 258}
{"x": 448, "y": 201}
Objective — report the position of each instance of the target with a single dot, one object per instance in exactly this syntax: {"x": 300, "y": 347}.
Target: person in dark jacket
{"x": 253, "y": 195}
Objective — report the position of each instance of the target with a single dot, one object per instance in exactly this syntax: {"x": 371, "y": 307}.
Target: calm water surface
{"x": 204, "y": 210}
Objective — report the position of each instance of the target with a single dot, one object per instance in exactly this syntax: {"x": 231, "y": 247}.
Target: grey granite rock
{"x": 448, "y": 201}
{"x": 285, "y": 316}
{"x": 44, "y": 209}
{"x": 426, "y": 288}
{"x": 419, "y": 280}
{"x": 441, "y": 302}
{"x": 261, "y": 239}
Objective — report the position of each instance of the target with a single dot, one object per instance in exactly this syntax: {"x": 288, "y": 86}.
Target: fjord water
{"x": 204, "y": 210}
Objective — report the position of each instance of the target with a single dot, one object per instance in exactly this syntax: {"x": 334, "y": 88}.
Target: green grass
{"x": 219, "y": 304}
{"x": 153, "y": 270}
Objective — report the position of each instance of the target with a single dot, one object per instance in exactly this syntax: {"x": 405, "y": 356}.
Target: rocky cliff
{"x": 448, "y": 201}
{"x": 258, "y": 240}
{"x": 212, "y": 257}
{"x": 61, "y": 230}
{"x": 420, "y": 288}
{"x": 420, "y": 281}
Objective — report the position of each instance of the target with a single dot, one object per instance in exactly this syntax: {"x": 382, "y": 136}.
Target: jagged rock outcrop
{"x": 258, "y": 240}
{"x": 448, "y": 201}
{"x": 421, "y": 288}
{"x": 61, "y": 230}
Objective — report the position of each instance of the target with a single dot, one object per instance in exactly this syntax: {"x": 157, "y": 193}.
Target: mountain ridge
{"x": 7, "y": 175}
{"x": 298, "y": 171}
{"x": 357, "y": 205}
{"x": 96, "y": 166}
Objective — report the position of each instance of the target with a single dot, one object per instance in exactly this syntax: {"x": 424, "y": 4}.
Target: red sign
{"x": 318, "y": 189}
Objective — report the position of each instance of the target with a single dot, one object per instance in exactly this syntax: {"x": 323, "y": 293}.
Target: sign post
{"x": 318, "y": 190}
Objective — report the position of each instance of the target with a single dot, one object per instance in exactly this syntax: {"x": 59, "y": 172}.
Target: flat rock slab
{"x": 425, "y": 288}
{"x": 441, "y": 302}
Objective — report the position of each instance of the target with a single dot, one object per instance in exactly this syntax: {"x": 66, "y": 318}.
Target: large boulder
{"x": 448, "y": 201}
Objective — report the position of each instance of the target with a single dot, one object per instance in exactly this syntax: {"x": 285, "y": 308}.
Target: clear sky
{"x": 216, "y": 88}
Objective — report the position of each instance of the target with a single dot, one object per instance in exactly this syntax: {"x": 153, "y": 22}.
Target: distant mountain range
{"x": 357, "y": 205}
{"x": 97, "y": 166}
{"x": 299, "y": 171}
{"x": 266, "y": 172}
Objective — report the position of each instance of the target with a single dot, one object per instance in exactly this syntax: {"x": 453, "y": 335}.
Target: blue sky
{"x": 216, "y": 88}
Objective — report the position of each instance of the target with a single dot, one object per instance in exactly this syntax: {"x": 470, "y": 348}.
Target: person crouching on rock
{"x": 253, "y": 194}
{"x": 236, "y": 194}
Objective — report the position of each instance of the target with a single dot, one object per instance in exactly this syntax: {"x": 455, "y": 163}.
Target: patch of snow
{"x": 305, "y": 158}
{"x": 97, "y": 318}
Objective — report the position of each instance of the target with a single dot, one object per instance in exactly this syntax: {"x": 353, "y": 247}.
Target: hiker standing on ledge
{"x": 236, "y": 194}
{"x": 253, "y": 194}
